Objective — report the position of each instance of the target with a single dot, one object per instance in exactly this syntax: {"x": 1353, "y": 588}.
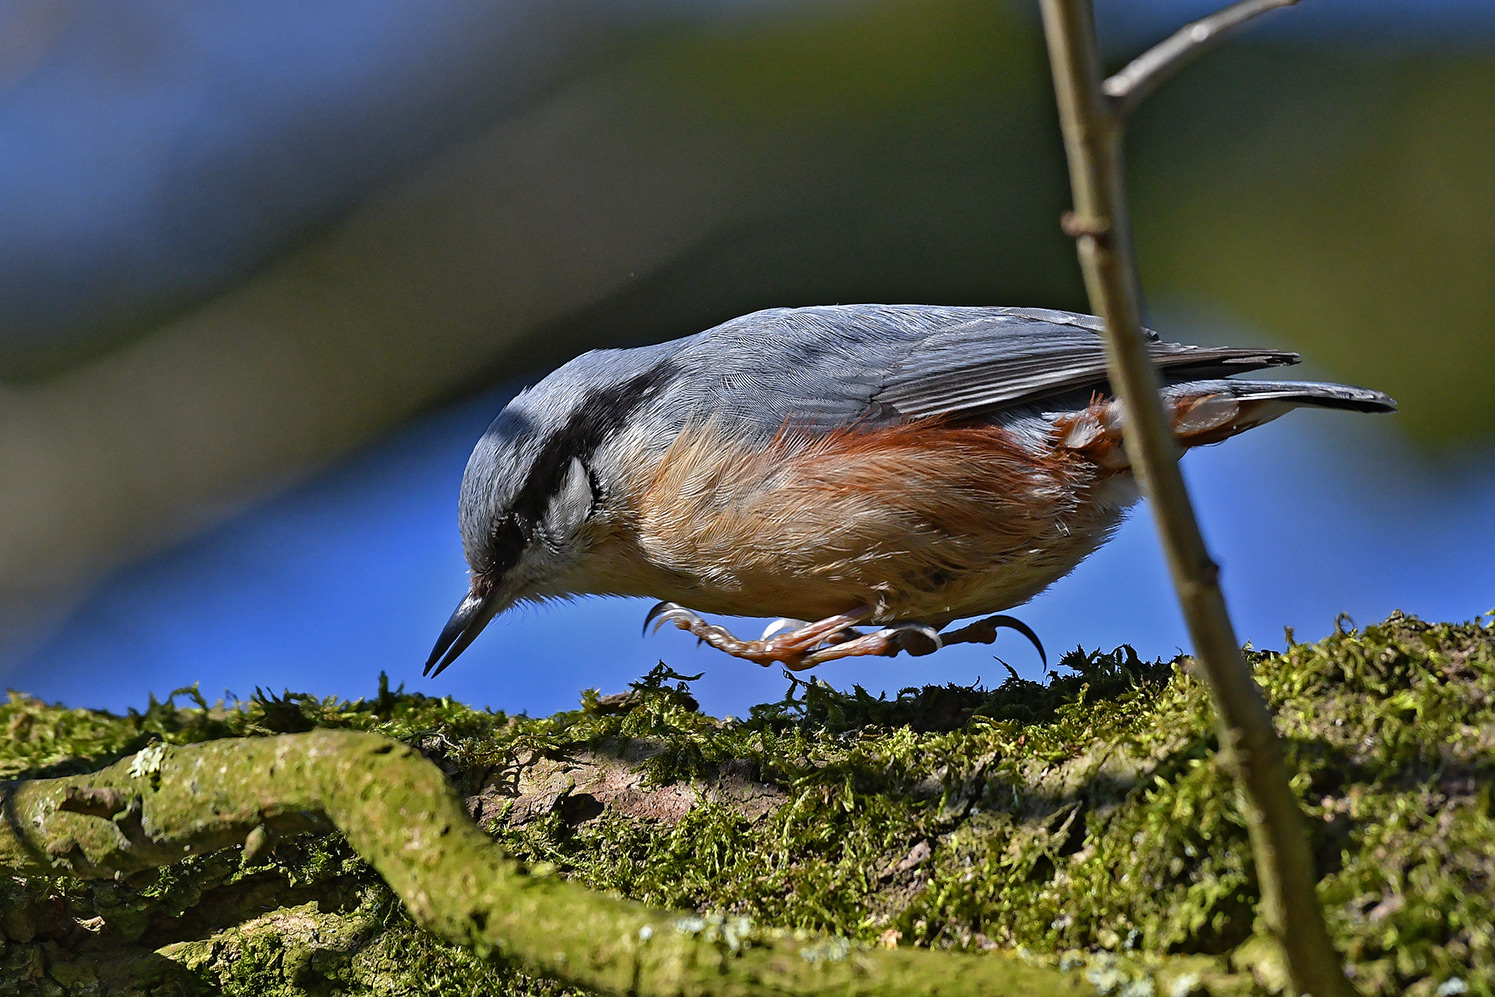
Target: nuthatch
{"x": 903, "y": 466}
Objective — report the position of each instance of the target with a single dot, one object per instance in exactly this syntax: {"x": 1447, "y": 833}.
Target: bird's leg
{"x": 803, "y": 645}
{"x": 798, "y": 645}
{"x": 919, "y": 640}
{"x": 784, "y": 625}
{"x": 985, "y": 632}
{"x": 915, "y": 638}
{"x": 794, "y": 649}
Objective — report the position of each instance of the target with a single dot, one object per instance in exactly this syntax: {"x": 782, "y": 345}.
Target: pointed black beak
{"x": 471, "y": 616}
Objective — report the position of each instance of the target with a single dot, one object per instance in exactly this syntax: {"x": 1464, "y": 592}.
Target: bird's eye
{"x": 511, "y": 529}
{"x": 511, "y": 534}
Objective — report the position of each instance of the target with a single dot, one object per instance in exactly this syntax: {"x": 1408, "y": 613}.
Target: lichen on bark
{"x": 1082, "y": 823}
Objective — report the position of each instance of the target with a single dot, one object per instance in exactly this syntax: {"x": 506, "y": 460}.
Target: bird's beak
{"x": 471, "y": 616}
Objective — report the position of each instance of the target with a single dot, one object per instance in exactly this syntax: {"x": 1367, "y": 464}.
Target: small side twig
{"x": 1145, "y": 73}
{"x": 1092, "y": 126}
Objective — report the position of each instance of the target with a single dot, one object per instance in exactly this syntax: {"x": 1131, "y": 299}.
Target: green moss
{"x": 1084, "y": 818}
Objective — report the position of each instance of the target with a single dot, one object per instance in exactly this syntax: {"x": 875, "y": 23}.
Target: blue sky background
{"x": 321, "y": 588}
{"x": 353, "y": 572}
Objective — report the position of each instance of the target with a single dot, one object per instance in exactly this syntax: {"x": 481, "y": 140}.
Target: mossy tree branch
{"x": 399, "y": 813}
{"x": 1093, "y": 126}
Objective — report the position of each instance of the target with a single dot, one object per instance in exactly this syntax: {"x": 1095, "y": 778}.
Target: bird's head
{"x": 530, "y": 494}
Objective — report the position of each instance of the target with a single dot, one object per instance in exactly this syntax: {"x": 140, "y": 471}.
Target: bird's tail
{"x": 1205, "y": 412}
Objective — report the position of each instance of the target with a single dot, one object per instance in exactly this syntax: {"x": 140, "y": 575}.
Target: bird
{"x": 868, "y": 473}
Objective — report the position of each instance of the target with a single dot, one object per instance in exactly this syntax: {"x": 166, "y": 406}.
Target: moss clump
{"x": 1081, "y": 819}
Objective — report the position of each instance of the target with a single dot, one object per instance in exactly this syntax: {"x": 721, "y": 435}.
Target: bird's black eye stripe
{"x": 598, "y": 418}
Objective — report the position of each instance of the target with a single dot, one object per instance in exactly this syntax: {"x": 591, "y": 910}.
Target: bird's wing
{"x": 1013, "y": 356}
{"x": 830, "y": 366}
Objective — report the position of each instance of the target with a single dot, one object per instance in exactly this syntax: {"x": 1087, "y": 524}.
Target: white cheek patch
{"x": 571, "y": 505}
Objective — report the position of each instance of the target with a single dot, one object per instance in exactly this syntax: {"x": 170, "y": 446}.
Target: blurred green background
{"x": 244, "y": 244}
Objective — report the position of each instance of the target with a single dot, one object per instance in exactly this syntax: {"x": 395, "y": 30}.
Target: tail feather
{"x": 1309, "y": 394}
{"x": 1205, "y": 412}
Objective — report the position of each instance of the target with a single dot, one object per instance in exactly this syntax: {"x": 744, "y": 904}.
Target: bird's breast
{"x": 920, "y": 521}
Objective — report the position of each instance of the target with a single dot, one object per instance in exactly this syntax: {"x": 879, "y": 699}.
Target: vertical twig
{"x": 1092, "y": 125}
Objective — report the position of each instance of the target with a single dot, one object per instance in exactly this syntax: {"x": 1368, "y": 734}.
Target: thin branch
{"x": 398, "y": 812}
{"x": 1146, "y": 73}
{"x": 1248, "y": 741}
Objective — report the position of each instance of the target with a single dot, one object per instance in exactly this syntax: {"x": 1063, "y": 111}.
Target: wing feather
{"x": 1015, "y": 356}
{"x": 829, "y": 366}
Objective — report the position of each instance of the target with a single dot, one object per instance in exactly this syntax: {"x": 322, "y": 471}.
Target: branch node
{"x": 1076, "y": 225}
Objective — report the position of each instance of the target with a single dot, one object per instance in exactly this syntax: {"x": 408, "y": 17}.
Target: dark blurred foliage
{"x": 1341, "y": 201}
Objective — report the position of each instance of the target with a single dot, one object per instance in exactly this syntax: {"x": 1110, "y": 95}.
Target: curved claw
{"x": 659, "y": 609}
{"x": 680, "y": 616}
{"x": 1013, "y": 623}
{"x": 985, "y": 632}
{"x": 672, "y": 612}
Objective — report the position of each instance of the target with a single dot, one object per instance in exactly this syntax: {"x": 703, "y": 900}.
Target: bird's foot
{"x": 785, "y": 625}
{"x": 985, "y": 632}
{"x": 915, "y": 638}
{"x": 798, "y": 645}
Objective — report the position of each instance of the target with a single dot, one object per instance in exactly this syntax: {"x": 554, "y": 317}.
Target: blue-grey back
{"x": 827, "y": 367}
